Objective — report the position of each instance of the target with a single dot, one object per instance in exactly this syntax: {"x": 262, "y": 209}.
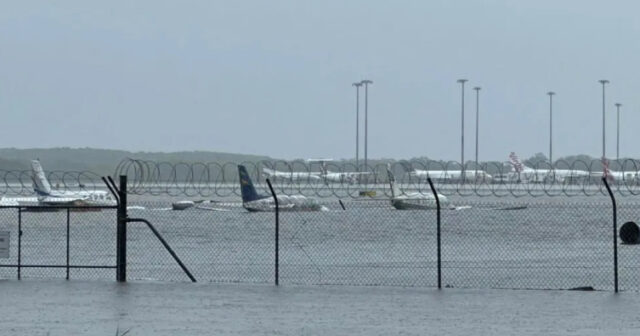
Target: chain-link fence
{"x": 541, "y": 244}
{"x": 366, "y": 243}
{"x": 58, "y": 242}
{"x": 628, "y": 254}
{"x": 226, "y": 246}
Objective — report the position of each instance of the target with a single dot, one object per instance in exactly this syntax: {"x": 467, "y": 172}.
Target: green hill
{"x": 104, "y": 161}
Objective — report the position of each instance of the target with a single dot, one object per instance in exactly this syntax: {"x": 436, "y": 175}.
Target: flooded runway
{"x": 61, "y": 308}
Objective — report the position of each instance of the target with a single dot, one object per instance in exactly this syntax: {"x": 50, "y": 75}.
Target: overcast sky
{"x": 274, "y": 77}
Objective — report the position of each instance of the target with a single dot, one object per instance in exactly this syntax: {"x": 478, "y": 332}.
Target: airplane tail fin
{"x": 515, "y": 162}
{"x": 40, "y": 183}
{"x": 247, "y": 189}
{"x": 323, "y": 167}
{"x": 395, "y": 191}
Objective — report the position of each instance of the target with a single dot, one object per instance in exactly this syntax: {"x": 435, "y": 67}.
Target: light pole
{"x": 357, "y": 85}
{"x": 477, "y": 88}
{"x": 551, "y": 94}
{"x": 603, "y": 82}
{"x": 366, "y": 83}
{"x": 618, "y": 134}
{"x": 462, "y": 173}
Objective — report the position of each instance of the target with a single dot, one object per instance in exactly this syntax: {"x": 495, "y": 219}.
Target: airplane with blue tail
{"x": 252, "y": 201}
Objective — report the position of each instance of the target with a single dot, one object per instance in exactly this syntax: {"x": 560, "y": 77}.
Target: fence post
{"x": 615, "y": 231}
{"x": 435, "y": 194}
{"x": 19, "y": 243}
{"x": 121, "y": 240}
{"x": 277, "y": 233}
{"x": 68, "y": 239}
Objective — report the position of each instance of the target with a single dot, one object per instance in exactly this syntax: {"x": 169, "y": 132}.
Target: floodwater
{"x": 58, "y": 307}
{"x": 391, "y": 255}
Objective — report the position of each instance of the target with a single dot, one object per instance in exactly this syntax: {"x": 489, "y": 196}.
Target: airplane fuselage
{"x": 551, "y": 175}
{"x": 620, "y": 176}
{"x": 418, "y": 201}
{"x": 451, "y": 175}
{"x": 292, "y": 176}
{"x": 285, "y": 203}
{"x": 350, "y": 178}
{"x": 91, "y": 198}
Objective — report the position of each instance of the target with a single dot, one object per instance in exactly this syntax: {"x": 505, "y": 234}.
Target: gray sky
{"x": 274, "y": 77}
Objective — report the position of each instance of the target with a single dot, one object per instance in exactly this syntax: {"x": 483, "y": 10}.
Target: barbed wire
{"x": 330, "y": 179}
{"x": 345, "y": 179}
{"x": 20, "y": 183}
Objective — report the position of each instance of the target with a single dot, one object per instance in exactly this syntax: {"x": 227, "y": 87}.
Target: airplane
{"x": 413, "y": 201}
{"x": 337, "y": 177}
{"x": 291, "y": 176}
{"x": 46, "y": 196}
{"x": 252, "y": 201}
{"x": 449, "y": 175}
{"x": 544, "y": 175}
{"x": 12, "y": 201}
{"x": 617, "y": 176}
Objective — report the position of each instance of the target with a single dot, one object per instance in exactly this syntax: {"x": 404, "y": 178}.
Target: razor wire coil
{"x": 341, "y": 180}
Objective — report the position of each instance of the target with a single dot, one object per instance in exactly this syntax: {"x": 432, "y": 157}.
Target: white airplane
{"x": 13, "y": 201}
{"x": 409, "y": 201}
{"x": 46, "y": 196}
{"x": 470, "y": 175}
{"x": 337, "y": 177}
{"x": 291, "y": 176}
{"x": 627, "y": 177}
{"x": 544, "y": 175}
{"x": 252, "y": 201}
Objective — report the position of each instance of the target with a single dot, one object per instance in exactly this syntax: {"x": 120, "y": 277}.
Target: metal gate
{"x": 57, "y": 242}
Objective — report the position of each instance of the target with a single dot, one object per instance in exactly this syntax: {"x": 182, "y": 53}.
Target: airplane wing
{"x": 62, "y": 201}
{"x": 357, "y": 173}
{"x": 210, "y": 208}
{"x": 284, "y": 206}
